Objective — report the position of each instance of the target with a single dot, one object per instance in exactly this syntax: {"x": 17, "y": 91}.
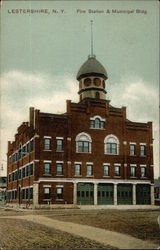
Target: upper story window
{"x": 133, "y": 170}
{"x": 142, "y": 149}
{"x": 77, "y": 169}
{"x": 132, "y": 148}
{"x": 106, "y": 170}
{"x": 89, "y": 170}
{"x": 111, "y": 145}
{"x": 47, "y": 168}
{"x": 97, "y": 122}
{"x": 143, "y": 170}
{"x": 47, "y": 143}
{"x": 83, "y": 143}
{"x": 59, "y": 168}
{"x": 59, "y": 144}
{"x": 117, "y": 170}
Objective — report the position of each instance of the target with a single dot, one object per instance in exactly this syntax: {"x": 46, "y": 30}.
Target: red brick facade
{"x": 92, "y": 136}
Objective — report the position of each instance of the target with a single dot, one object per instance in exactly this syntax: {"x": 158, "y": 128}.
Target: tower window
{"x": 97, "y": 95}
{"x": 87, "y": 82}
{"x": 97, "y": 82}
{"x": 97, "y": 122}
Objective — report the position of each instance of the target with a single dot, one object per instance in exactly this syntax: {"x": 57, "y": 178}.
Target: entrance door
{"x": 105, "y": 194}
{"x": 85, "y": 194}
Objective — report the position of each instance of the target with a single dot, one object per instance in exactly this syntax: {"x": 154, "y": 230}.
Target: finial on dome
{"x": 91, "y": 55}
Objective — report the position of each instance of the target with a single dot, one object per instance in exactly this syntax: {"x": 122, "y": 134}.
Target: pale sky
{"x": 41, "y": 55}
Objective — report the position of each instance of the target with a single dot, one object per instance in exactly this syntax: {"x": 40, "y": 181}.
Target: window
{"x": 106, "y": 170}
{"x": 28, "y": 147}
{"x": 59, "y": 192}
{"x": 117, "y": 171}
{"x": 47, "y": 144}
{"x": 47, "y": 168}
{"x": 23, "y": 172}
{"x": 142, "y": 150}
{"x": 31, "y": 193}
{"x": 27, "y": 170}
{"x": 78, "y": 169}
{"x": 83, "y": 143}
{"x": 31, "y": 169}
{"x": 133, "y": 171}
{"x": 59, "y": 169}
{"x": 27, "y": 193}
{"x": 97, "y": 95}
{"x": 83, "y": 146}
{"x": 23, "y": 194}
{"x": 20, "y": 152}
{"x": 31, "y": 145}
{"x": 97, "y": 122}
{"x": 111, "y": 145}
{"x": 16, "y": 175}
{"x": 89, "y": 170}
{"x": 47, "y": 193}
{"x": 132, "y": 149}
{"x": 143, "y": 172}
{"x": 59, "y": 144}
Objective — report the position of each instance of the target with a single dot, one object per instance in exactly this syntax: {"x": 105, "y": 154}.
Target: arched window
{"x": 111, "y": 145}
{"x": 97, "y": 122}
{"x": 83, "y": 143}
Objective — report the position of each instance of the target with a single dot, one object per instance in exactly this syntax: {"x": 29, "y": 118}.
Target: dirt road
{"x": 117, "y": 240}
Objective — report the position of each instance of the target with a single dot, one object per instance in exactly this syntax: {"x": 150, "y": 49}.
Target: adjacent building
{"x": 3, "y": 188}
{"x": 91, "y": 154}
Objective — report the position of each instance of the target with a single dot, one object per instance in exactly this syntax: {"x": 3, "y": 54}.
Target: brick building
{"x": 92, "y": 154}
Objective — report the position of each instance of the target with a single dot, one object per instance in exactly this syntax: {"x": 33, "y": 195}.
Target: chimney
{"x": 31, "y": 117}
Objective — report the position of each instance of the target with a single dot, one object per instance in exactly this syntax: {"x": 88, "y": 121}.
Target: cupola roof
{"x": 91, "y": 67}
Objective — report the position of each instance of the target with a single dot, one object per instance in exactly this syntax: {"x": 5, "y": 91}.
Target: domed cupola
{"x": 91, "y": 77}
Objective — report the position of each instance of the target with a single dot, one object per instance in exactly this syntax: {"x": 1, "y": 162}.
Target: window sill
{"x": 83, "y": 152}
{"x": 59, "y": 199}
{"x": 59, "y": 151}
{"x": 89, "y": 175}
{"x": 143, "y": 177}
{"x": 47, "y": 150}
{"x": 98, "y": 128}
{"x": 78, "y": 175}
{"x": 110, "y": 154}
{"x": 59, "y": 175}
{"x": 106, "y": 176}
{"x": 117, "y": 176}
{"x": 46, "y": 199}
{"x": 142, "y": 155}
{"x": 47, "y": 175}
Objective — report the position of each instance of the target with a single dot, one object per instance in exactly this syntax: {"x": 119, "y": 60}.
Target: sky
{"x": 41, "y": 54}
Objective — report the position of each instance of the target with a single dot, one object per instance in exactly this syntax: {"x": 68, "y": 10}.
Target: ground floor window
{"x": 47, "y": 193}
{"x": 59, "y": 193}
